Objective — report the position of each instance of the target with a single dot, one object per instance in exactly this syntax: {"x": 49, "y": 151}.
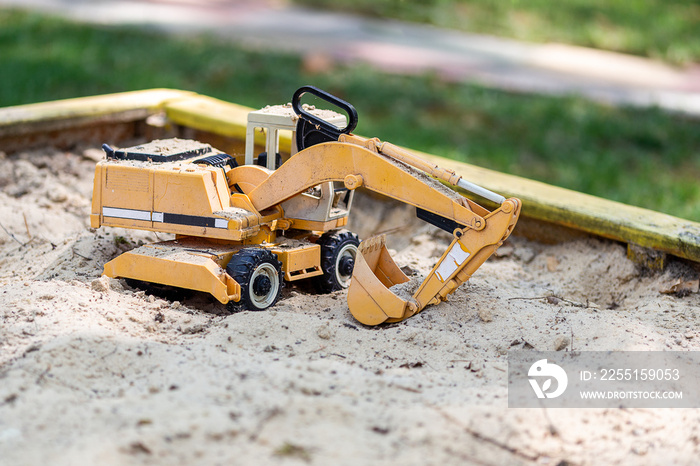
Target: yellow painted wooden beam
{"x": 209, "y": 114}
{"x": 544, "y": 202}
{"x": 130, "y": 105}
{"x": 588, "y": 213}
{"x": 541, "y": 201}
{"x": 217, "y": 116}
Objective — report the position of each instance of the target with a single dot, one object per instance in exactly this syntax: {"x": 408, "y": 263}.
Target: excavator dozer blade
{"x": 372, "y": 302}
{"x": 369, "y": 298}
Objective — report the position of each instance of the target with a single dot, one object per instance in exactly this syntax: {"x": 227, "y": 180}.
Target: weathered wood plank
{"x": 48, "y": 116}
{"x": 217, "y": 116}
{"x": 588, "y": 213}
{"x": 209, "y": 114}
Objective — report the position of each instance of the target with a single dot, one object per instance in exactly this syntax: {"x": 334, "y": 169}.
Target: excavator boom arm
{"x": 389, "y": 170}
{"x": 358, "y": 166}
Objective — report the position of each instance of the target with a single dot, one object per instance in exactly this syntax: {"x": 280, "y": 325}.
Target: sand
{"x": 93, "y": 371}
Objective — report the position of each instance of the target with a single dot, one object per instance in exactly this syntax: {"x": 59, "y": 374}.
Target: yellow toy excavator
{"x": 242, "y": 230}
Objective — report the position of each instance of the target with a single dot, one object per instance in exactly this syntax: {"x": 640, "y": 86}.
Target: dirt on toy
{"x": 95, "y": 371}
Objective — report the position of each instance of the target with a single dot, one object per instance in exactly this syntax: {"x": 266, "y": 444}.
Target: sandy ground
{"x": 95, "y": 372}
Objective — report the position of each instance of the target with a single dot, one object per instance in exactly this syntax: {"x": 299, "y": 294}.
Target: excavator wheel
{"x": 338, "y": 254}
{"x": 259, "y": 274}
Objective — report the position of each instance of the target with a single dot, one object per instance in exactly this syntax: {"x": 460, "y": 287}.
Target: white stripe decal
{"x": 144, "y": 215}
{"x": 126, "y": 213}
{"x": 452, "y": 261}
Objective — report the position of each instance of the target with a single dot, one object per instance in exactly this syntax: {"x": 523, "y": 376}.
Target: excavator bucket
{"x": 369, "y": 298}
{"x": 378, "y": 289}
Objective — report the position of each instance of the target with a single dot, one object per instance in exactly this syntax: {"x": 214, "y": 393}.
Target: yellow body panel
{"x": 311, "y": 225}
{"x": 247, "y": 177}
{"x": 173, "y": 197}
{"x": 301, "y": 262}
{"x": 185, "y": 190}
{"x": 174, "y": 265}
{"x": 127, "y": 187}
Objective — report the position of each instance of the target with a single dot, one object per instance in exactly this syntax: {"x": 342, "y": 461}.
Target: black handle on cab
{"x": 313, "y": 130}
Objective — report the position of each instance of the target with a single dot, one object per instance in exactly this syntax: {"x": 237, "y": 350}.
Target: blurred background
{"x": 597, "y": 96}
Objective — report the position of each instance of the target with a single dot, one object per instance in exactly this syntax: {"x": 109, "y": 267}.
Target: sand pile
{"x": 95, "y": 372}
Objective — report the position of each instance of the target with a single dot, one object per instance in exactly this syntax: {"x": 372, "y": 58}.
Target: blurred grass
{"x": 642, "y": 157}
{"x": 662, "y": 29}
{"x": 47, "y": 58}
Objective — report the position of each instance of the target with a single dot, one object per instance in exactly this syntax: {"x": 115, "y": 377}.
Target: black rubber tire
{"x": 259, "y": 274}
{"x": 338, "y": 253}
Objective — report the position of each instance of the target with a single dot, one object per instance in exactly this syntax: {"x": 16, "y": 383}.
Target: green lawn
{"x": 663, "y": 29}
{"x": 641, "y": 157}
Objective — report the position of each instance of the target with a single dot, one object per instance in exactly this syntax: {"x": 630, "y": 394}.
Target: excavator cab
{"x": 308, "y": 126}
